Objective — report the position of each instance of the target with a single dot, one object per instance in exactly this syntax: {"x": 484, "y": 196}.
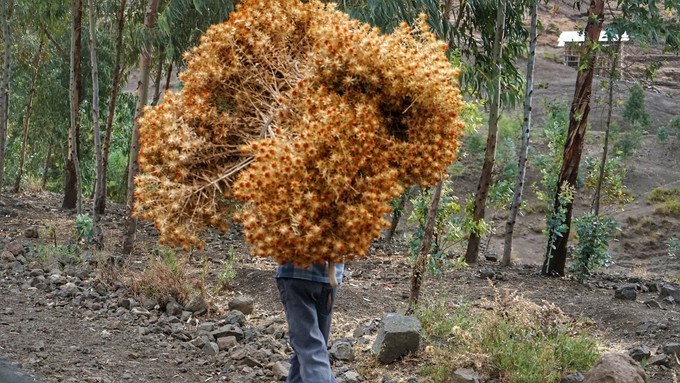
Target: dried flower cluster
{"x": 322, "y": 119}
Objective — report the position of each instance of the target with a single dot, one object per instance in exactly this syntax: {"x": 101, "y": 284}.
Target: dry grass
{"x": 166, "y": 276}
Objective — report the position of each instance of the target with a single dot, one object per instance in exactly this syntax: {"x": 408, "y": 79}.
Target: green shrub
{"x": 674, "y": 125}
{"x": 593, "y": 232}
{"x": 510, "y": 337}
{"x": 634, "y": 110}
{"x": 662, "y": 134}
{"x": 453, "y": 225}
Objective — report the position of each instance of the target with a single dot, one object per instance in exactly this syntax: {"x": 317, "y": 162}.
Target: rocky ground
{"x": 68, "y": 321}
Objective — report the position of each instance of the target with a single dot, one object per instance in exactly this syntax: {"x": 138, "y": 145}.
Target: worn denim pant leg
{"x": 308, "y": 306}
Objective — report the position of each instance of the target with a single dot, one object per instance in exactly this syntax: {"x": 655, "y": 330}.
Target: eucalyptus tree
{"x": 96, "y": 132}
{"x": 470, "y": 28}
{"x": 176, "y": 27}
{"x": 646, "y": 21}
{"x": 526, "y": 130}
{"x": 35, "y": 67}
{"x": 73, "y": 182}
{"x": 142, "y": 98}
{"x": 5, "y": 16}
{"x": 119, "y": 69}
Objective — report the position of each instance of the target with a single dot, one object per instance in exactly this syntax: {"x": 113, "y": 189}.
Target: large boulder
{"x": 398, "y": 336}
{"x": 616, "y": 368}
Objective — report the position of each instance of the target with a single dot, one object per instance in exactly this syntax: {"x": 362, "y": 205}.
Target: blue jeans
{"x": 309, "y": 307}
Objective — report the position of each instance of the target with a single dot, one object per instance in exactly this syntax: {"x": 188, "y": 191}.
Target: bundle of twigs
{"x": 312, "y": 120}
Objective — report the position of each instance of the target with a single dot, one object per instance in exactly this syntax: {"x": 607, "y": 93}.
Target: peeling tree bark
{"x": 556, "y": 256}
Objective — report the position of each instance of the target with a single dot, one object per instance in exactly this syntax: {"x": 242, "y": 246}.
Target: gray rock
{"x": 666, "y": 291}
{"x": 31, "y": 232}
{"x": 659, "y": 360}
{"x": 653, "y": 304}
{"x": 244, "y": 304}
{"x": 352, "y": 377}
{"x": 670, "y": 300}
{"x": 196, "y": 305}
{"x": 398, "y": 336}
{"x": 228, "y": 330}
{"x": 280, "y": 370}
{"x": 206, "y": 326}
{"x": 226, "y": 342}
{"x": 69, "y": 290}
{"x": 465, "y": 375}
{"x": 36, "y": 273}
{"x": 14, "y": 247}
{"x": 619, "y": 368}
{"x": 639, "y": 352}
{"x": 185, "y": 316}
{"x": 342, "y": 350}
{"x": 628, "y": 292}
{"x": 127, "y": 303}
{"x": 211, "y": 348}
{"x": 235, "y": 317}
{"x": 573, "y": 378}
{"x": 670, "y": 349}
{"x": 173, "y": 308}
{"x": 653, "y": 287}
{"x": 6, "y": 256}
{"x": 199, "y": 342}
{"x": 140, "y": 311}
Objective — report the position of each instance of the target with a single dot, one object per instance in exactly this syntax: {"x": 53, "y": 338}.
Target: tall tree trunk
{"x": 425, "y": 246}
{"x": 556, "y": 254}
{"x": 526, "y": 129}
{"x": 4, "y": 85}
{"x": 472, "y": 251}
{"x": 100, "y": 197}
{"x": 46, "y": 165}
{"x": 142, "y": 97}
{"x": 98, "y": 238}
{"x": 73, "y": 182}
{"x": 27, "y": 114}
{"x": 613, "y": 74}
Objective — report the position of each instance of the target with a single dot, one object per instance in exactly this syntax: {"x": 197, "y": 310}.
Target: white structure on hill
{"x": 573, "y": 41}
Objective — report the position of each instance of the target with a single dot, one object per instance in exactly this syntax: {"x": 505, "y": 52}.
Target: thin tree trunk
{"x": 556, "y": 254}
{"x": 4, "y": 87}
{"x": 100, "y": 198}
{"x": 605, "y": 147}
{"x": 396, "y": 216}
{"x": 46, "y": 165}
{"x": 142, "y": 97}
{"x": 27, "y": 114}
{"x": 526, "y": 129}
{"x": 425, "y": 246}
{"x": 472, "y": 251}
{"x": 98, "y": 238}
{"x": 157, "y": 78}
{"x": 168, "y": 77}
{"x": 73, "y": 183}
